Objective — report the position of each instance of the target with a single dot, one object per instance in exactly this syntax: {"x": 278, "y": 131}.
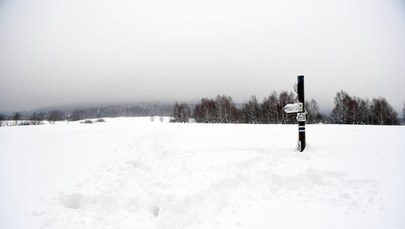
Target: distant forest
{"x": 347, "y": 110}
{"x": 76, "y": 114}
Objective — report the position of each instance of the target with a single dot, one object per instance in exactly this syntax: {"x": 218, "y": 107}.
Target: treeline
{"x": 355, "y": 110}
{"x": 222, "y": 109}
{"x": 69, "y": 114}
{"x": 347, "y": 110}
{"x": 122, "y": 111}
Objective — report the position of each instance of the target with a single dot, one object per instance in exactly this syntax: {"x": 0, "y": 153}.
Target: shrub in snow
{"x": 36, "y": 122}
{"x": 24, "y": 123}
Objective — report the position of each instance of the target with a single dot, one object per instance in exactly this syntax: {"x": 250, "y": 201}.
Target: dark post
{"x": 301, "y": 123}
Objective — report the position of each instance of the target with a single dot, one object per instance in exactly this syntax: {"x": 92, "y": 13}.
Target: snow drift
{"x": 134, "y": 173}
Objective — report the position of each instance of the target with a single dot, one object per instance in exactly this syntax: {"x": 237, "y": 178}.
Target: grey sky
{"x": 79, "y": 51}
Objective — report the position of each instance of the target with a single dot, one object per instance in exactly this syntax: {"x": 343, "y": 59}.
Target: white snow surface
{"x": 134, "y": 173}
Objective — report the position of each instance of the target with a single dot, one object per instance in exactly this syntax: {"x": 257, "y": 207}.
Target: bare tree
{"x": 2, "y": 118}
{"x": 340, "y": 113}
{"x": 314, "y": 114}
{"x": 37, "y": 118}
{"x": 383, "y": 113}
{"x": 75, "y": 116}
{"x": 284, "y": 99}
{"x": 55, "y": 115}
{"x": 181, "y": 113}
{"x": 251, "y": 110}
{"x": 225, "y": 109}
{"x": 16, "y": 117}
{"x": 269, "y": 109}
{"x": 205, "y": 111}
{"x": 176, "y": 112}
{"x": 356, "y": 110}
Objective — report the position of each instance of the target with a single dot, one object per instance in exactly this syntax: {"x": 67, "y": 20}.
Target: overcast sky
{"x": 95, "y": 51}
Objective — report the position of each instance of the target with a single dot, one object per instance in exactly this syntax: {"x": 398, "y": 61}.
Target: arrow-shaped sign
{"x": 293, "y": 108}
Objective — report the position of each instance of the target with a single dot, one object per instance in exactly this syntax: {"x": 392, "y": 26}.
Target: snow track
{"x": 162, "y": 175}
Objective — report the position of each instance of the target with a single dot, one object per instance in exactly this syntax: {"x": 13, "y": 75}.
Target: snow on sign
{"x": 293, "y": 108}
{"x": 301, "y": 117}
{"x": 301, "y": 123}
{"x": 299, "y": 109}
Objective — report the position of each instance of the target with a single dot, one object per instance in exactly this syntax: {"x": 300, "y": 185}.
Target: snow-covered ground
{"x": 134, "y": 173}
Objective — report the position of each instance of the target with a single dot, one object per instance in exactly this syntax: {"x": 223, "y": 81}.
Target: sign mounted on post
{"x": 293, "y": 108}
{"x": 301, "y": 123}
{"x": 299, "y": 109}
{"x": 302, "y": 117}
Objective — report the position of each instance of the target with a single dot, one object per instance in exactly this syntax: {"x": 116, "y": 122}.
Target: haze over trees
{"x": 75, "y": 114}
{"x": 347, "y": 110}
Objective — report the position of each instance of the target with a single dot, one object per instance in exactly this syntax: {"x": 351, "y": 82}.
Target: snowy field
{"x": 131, "y": 173}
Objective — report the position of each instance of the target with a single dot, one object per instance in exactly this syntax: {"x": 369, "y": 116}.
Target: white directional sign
{"x": 302, "y": 117}
{"x": 293, "y": 108}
